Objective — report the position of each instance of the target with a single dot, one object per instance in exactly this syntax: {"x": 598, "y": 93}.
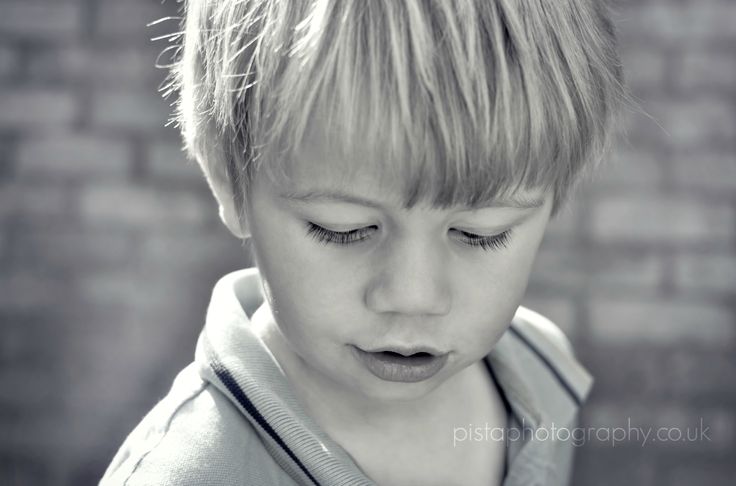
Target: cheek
{"x": 286, "y": 255}
{"x": 488, "y": 305}
{"x": 311, "y": 295}
{"x": 492, "y": 292}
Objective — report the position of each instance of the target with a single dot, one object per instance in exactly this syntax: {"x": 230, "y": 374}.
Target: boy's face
{"x": 417, "y": 278}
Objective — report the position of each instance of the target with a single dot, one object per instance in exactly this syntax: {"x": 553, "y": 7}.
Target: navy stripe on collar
{"x": 565, "y": 384}
{"x": 227, "y": 379}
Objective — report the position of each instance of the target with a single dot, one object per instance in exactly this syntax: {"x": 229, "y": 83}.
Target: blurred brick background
{"x": 110, "y": 244}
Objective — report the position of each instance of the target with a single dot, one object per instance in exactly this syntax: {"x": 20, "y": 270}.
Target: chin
{"x": 374, "y": 388}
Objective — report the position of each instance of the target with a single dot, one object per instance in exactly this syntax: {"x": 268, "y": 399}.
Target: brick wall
{"x": 110, "y": 244}
{"x": 642, "y": 271}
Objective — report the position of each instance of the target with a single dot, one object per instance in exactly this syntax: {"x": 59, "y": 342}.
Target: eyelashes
{"x": 323, "y": 235}
{"x": 495, "y": 242}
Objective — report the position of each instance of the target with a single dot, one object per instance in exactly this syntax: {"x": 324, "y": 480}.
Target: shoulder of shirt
{"x": 191, "y": 436}
{"x": 544, "y": 339}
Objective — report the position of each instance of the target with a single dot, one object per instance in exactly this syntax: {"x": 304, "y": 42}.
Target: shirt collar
{"x": 237, "y": 362}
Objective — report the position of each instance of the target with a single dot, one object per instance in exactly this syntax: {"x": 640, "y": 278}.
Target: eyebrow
{"x": 518, "y": 202}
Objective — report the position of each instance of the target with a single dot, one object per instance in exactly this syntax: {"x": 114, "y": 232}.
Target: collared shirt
{"x": 232, "y": 417}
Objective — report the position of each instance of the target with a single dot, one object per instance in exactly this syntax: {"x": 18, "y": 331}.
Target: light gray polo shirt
{"x": 231, "y": 417}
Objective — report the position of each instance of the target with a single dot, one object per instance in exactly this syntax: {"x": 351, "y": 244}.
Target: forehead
{"x": 324, "y": 166}
{"x": 319, "y": 173}
{"x": 399, "y": 168}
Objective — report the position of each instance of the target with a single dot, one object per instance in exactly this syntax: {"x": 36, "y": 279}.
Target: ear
{"x": 221, "y": 187}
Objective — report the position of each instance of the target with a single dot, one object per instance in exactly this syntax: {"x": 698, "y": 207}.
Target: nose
{"x": 411, "y": 279}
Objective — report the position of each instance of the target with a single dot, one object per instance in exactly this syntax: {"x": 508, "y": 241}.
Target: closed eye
{"x": 324, "y": 235}
{"x": 494, "y": 242}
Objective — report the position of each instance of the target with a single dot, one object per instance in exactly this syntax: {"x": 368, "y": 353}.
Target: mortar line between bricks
{"x": 89, "y": 13}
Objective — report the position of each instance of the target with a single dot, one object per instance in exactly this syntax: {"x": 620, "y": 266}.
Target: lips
{"x": 401, "y": 364}
{"x": 405, "y": 350}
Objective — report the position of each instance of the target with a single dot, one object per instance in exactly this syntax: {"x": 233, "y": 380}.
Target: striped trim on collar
{"x": 231, "y": 384}
{"x": 238, "y": 363}
{"x": 563, "y": 380}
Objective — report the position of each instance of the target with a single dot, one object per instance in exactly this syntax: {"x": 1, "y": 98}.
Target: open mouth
{"x": 396, "y": 357}
{"x": 402, "y": 366}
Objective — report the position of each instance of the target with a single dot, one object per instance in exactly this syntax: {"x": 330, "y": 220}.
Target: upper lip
{"x": 405, "y": 350}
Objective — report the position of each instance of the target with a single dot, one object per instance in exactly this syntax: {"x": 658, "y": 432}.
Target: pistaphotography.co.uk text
{"x": 631, "y": 433}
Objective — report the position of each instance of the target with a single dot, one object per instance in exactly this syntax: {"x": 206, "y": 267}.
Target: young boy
{"x": 394, "y": 165}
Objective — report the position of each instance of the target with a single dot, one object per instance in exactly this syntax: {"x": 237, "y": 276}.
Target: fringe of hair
{"x": 464, "y": 100}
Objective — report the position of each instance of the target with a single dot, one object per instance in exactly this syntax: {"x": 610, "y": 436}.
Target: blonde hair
{"x": 469, "y": 100}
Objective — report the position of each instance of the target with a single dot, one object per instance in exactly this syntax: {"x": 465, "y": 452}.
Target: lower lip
{"x": 406, "y": 369}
